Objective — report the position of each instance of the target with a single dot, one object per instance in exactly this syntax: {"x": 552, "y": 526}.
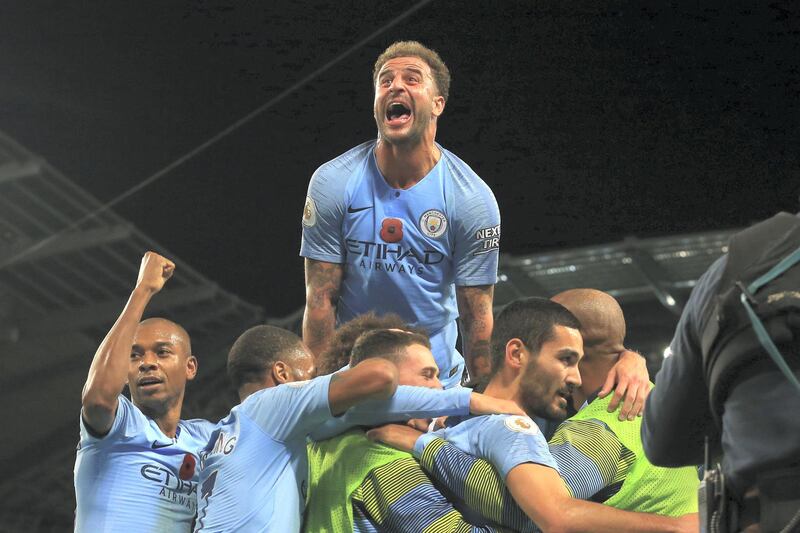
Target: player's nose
{"x": 574, "y": 377}
{"x": 396, "y": 85}
{"x": 148, "y": 361}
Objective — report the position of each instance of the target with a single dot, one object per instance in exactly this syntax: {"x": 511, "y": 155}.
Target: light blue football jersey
{"x": 254, "y": 470}
{"x": 404, "y": 251}
{"x": 130, "y": 479}
{"x": 505, "y": 441}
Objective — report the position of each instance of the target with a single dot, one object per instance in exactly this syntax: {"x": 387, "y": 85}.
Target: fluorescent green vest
{"x": 336, "y": 468}
{"x": 647, "y": 488}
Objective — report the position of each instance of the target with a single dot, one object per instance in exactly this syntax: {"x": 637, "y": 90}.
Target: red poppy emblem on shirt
{"x": 186, "y": 471}
{"x": 392, "y": 229}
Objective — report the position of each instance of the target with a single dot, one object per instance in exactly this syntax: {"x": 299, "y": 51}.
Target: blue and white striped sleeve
{"x": 591, "y": 459}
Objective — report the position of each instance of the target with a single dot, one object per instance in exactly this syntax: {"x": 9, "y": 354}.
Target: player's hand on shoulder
{"x": 154, "y": 272}
{"x": 630, "y": 382}
{"x": 402, "y": 437}
{"x": 480, "y": 404}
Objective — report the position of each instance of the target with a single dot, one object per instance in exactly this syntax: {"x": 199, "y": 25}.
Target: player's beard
{"x": 539, "y": 394}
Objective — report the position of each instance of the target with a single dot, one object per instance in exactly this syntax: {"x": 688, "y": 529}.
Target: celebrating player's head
{"x": 409, "y": 351}
{"x": 439, "y": 71}
{"x": 160, "y": 365}
{"x": 412, "y": 84}
{"x": 265, "y": 356}
{"x": 603, "y": 332}
{"x": 536, "y": 346}
{"x": 337, "y": 354}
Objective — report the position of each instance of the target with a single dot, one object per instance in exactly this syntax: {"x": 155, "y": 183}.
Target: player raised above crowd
{"x": 402, "y": 225}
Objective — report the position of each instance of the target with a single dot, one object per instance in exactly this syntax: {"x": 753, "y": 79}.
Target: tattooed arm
{"x": 322, "y": 294}
{"x": 476, "y": 321}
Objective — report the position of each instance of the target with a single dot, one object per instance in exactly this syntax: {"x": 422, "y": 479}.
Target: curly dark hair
{"x": 337, "y": 355}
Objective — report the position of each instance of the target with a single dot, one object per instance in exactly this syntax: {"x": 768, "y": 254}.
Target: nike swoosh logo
{"x": 156, "y": 445}
{"x": 351, "y": 209}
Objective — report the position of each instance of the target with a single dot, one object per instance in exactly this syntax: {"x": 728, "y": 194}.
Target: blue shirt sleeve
{"x": 406, "y": 403}
{"x": 323, "y": 214}
{"x": 290, "y": 410}
{"x": 677, "y": 414}
{"x": 477, "y": 235}
{"x": 127, "y": 422}
{"x": 505, "y": 441}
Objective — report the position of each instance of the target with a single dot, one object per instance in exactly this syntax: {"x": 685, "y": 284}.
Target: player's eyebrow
{"x": 592, "y": 342}
{"x": 159, "y": 344}
{"x": 410, "y": 68}
{"x": 431, "y": 370}
{"x": 162, "y": 344}
{"x": 568, "y": 352}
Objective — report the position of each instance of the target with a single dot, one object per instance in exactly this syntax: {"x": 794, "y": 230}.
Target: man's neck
{"x": 403, "y": 166}
{"x": 167, "y": 421}
{"x": 503, "y": 387}
{"x": 254, "y": 386}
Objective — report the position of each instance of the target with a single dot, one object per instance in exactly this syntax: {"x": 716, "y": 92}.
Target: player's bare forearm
{"x": 542, "y": 495}
{"x": 109, "y": 368}
{"x": 373, "y": 379}
{"x": 476, "y": 320}
{"x": 323, "y": 281}
{"x": 592, "y": 517}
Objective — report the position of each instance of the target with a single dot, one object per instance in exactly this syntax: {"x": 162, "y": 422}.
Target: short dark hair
{"x": 337, "y": 354}
{"x": 255, "y": 351}
{"x": 532, "y": 320}
{"x": 385, "y": 343}
{"x": 441, "y": 74}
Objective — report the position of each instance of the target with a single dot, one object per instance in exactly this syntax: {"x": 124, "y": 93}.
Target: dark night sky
{"x": 590, "y": 120}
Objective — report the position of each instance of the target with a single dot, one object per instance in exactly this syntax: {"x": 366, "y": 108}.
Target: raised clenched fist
{"x": 154, "y": 272}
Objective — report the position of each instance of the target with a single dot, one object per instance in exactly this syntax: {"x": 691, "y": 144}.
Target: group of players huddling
{"x": 363, "y": 424}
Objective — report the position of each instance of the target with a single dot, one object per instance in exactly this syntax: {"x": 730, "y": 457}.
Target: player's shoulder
{"x": 511, "y": 424}
{"x": 129, "y": 412}
{"x": 461, "y": 174}
{"x": 272, "y": 397}
{"x": 342, "y": 166}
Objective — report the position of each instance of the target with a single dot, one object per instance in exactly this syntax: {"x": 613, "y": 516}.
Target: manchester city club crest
{"x": 433, "y": 223}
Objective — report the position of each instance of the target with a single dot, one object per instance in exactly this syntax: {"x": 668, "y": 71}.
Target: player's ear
{"x": 438, "y": 106}
{"x": 515, "y": 354}
{"x": 281, "y": 372}
{"x": 191, "y": 367}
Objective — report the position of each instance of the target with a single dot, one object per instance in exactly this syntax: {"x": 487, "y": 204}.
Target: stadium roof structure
{"x": 64, "y": 277}
{"x": 651, "y": 278}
